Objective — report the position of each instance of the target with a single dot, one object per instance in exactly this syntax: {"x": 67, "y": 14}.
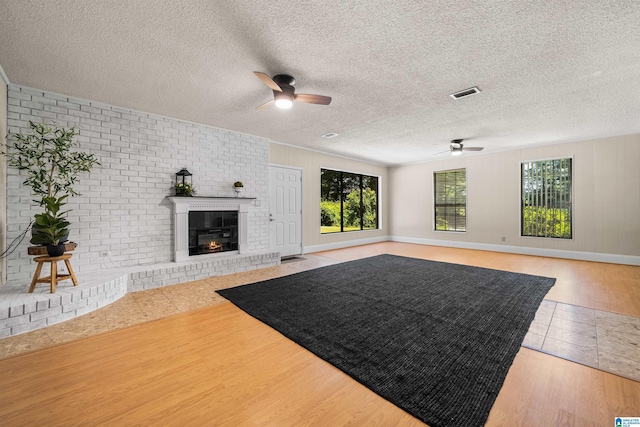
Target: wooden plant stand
{"x": 54, "y": 278}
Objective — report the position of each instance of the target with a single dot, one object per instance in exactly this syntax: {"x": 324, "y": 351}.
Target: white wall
{"x": 606, "y": 200}
{"x": 123, "y": 208}
{"x": 311, "y": 162}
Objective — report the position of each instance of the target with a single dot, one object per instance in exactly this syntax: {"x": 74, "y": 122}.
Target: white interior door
{"x": 285, "y": 205}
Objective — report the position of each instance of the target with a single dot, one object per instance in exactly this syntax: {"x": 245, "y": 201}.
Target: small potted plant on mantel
{"x": 52, "y": 169}
{"x": 238, "y": 187}
{"x": 184, "y": 189}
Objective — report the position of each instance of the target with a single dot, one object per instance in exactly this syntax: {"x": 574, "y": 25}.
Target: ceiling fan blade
{"x": 313, "y": 99}
{"x": 442, "y": 152}
{"x": 267, "y": 80}
{"x": 265, "y": 105}
{"x": 473, "y": 149}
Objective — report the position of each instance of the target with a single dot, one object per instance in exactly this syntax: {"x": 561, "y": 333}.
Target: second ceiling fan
{"x": 456, "y": 148}
{"x": 284, "y": 93}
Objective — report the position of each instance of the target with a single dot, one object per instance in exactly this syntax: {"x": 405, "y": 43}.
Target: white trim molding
{"x": 345, "y": 244}
{"x": 521, "y": 250}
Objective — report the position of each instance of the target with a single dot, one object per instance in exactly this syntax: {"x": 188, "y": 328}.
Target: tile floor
{"x": 599, "y": 339}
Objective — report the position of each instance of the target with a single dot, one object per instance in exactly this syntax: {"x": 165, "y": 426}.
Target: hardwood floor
{"x": 218, "y": 366}
{"x": 607, "y": 287}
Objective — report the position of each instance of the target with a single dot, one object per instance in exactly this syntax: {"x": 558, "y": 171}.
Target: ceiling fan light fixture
{"x": 284, "y": 103}
{"x": 283, "y": 100}
{"x": 456, "y": 151}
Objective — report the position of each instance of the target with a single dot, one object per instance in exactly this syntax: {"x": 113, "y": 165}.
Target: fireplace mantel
{"x": 183, "y": 205}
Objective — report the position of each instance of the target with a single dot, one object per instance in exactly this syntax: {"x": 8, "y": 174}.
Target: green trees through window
{"x": 450, "y": 201}
{"x": 546, "y": 198}
{"x": 348, "y": 201}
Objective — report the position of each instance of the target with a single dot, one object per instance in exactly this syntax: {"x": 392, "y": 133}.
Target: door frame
{"x": 269, "y": 165}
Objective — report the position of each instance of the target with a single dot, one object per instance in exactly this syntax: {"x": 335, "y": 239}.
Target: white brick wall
{"x": 123, "y": 208}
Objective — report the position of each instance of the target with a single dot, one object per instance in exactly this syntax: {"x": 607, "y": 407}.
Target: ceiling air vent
{"x": 466, "y": 92}
{"x": 330, "y": 135}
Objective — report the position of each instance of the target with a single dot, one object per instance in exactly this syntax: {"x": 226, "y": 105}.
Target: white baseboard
{"x": 345, "y": 244}
{"x": 521, "y": 250}
{"x": 552, "y": 253}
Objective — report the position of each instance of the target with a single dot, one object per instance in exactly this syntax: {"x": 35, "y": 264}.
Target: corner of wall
{"x": 4, "y": 81}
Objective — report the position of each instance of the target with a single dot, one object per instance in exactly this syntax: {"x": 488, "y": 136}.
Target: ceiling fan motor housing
{"x": 286, "y": 83}
{"x": 286, "y": 94}
{"x": 284, "y": 79}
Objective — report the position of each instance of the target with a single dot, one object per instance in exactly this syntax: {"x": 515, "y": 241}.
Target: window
{"x": 546, "y": 198}
{"x": 450, "y": 194}
{"x": 348, "y": 201}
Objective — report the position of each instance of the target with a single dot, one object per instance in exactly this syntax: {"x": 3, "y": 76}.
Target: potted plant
{"x": 52, "y": 226}
{"x": 184, "y": 189}
{"x": 238, "y": 187}
{"x": 52, "y": 169}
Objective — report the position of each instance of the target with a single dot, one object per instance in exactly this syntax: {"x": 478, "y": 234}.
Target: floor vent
{"x": 466, "y": 92}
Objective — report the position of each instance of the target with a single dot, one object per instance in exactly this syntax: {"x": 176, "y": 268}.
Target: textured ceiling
{"x": 550, "y": 71}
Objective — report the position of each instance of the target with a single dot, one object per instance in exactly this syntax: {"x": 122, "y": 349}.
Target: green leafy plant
{"x": 52, "y": 226}
{"x": 185, "y": 189}
{"x": 363, "y": 206}
{"x": 52, "y": 169}
{"x": 238, "y": 184}
{"x": 330, "y": 213}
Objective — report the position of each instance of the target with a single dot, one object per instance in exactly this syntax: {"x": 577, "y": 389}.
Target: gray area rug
{"x": 434, "y": 338}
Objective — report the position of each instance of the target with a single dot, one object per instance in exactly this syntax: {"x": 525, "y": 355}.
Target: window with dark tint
{"x": 450, "y": 206}
{"x": 348, "y": 201}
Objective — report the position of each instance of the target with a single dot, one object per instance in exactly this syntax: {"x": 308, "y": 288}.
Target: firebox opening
{"x": 212, "y": 232}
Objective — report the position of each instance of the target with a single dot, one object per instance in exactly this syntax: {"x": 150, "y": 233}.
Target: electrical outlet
{"x": 504, "y": 239}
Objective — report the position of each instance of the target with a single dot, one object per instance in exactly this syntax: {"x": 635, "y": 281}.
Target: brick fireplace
{"x": 208, "y": 226}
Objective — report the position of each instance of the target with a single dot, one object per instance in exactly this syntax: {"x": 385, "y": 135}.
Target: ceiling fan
{"x": 456, "y": 148}
{"x": 284, "y": 92}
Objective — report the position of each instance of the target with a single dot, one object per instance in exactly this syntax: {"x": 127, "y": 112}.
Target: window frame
{"x": 572, "y": 201}
{"x": 342, "y": 200}
{"x": 434, "y": 206}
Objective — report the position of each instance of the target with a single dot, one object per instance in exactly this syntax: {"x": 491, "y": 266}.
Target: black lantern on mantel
{"x": 184, "y": 186}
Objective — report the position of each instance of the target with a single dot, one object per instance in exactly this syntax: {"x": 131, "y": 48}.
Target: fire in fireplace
{"x": 212, "y": 231}
{"x": 215, "y": 247}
